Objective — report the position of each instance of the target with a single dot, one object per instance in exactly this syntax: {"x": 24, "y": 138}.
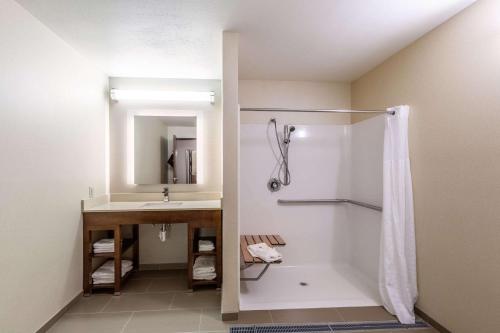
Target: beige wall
{"x": 294, "y": 94}
{"x": 451, "y": 80}
{"x": 52, "y": 148}
{"x": 174, "y": 250}
{"x": 231, "y": 180}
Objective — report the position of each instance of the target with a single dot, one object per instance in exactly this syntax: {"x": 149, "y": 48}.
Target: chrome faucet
{"x": 165, "y": 194}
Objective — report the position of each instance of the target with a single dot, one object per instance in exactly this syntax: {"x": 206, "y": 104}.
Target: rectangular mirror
{"x": 165, "y": 150}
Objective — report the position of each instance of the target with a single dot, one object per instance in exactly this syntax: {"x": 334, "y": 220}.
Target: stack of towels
{"x": 264, "y": 252}
{"x": 106, "y": 273}
{"x": 204, "y": 268}
{"x": 205, "y": 246}
{"x": 104, "y": 245}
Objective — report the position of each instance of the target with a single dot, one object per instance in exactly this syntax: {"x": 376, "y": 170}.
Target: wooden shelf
{"x": 126, "y": 244}
{"x": 113, "y": 223}
{"x": 204, "y": 282}
{"x": 208, "y": 253}
{"x": 194, "y": 252}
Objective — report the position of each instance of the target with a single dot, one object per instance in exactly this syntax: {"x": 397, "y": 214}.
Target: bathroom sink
{"x": 162, "y": 204}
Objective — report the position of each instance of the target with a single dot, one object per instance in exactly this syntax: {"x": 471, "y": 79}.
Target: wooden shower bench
{"x": 249, "y": 260}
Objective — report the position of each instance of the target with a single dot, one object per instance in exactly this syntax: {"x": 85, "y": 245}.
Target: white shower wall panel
{"x": 367, "y": 144}
{"x": 367, "y": 150}
{"x": 319, "y": 161}
{"x": 364, "y": 240}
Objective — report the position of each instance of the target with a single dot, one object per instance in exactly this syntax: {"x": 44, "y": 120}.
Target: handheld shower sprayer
{"x": 284, "y": 177}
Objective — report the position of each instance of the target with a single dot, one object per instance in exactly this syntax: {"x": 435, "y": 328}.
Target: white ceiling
{"x": 333, "y": 40}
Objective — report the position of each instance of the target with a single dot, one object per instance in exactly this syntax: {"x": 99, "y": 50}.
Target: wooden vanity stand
{"x": 113, "y": 221}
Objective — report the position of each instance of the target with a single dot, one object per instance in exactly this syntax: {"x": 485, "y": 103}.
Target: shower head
{"x": 292, "y": 128}
{"x": 273, "y": 120}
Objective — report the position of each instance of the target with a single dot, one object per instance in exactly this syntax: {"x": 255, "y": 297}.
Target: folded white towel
{"x": 205, "y": 276}
{"x": 104, "y": 249}
{"x": 108, "y": 278}
{"x": 203, "y": 271}
{"x": 205, "y": 245}
{"x": 104, "y": 245}
{"x": 107, "y": 270}
{"x": 204, "y": 264}
{"x": 105, "y": 242}
{"x": 264, "y": 252}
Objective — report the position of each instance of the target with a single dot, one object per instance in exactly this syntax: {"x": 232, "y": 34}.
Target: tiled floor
{"x": 158, "y": 301}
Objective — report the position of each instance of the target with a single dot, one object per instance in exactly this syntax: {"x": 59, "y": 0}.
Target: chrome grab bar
{"x": 329, "y": 201}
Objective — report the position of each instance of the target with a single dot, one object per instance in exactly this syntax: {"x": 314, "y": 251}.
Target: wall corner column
{"x": 230, "y": 179}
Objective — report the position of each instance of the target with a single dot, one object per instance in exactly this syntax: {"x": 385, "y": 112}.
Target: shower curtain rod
{"x": 316, "y": 110}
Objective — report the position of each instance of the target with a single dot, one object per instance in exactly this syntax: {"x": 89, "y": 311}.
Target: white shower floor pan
{"x": 281, "y": 287}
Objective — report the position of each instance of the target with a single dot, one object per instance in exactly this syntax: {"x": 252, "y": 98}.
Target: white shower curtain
{"x": 397, "y": 271}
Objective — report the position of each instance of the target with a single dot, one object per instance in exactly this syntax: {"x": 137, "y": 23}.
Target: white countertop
{"x": 156, "y": 206}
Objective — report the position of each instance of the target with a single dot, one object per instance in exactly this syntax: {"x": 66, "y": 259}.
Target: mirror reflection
{"x": 165, "y": 150}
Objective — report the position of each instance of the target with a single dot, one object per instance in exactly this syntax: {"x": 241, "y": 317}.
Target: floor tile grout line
{"x": 199, "y": 320}
{"x": 105, "y": 305}
{"x": 171, "y": 302}
{"x": 127, "y": 322}
{"x": 148, "y": 288}
{"x": 137, "y": 311}
{"x": 271, "y": 315}
{"x": 340, "y": 314}
{"x": 153, "y": 292}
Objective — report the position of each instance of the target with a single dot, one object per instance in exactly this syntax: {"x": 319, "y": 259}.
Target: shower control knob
{"x": 274, "y": 185}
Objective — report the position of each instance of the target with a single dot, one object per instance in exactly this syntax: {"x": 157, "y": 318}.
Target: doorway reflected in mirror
{"x": 165, "y": 150}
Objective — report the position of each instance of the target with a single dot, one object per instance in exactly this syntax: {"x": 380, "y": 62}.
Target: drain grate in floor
{"x": 333, "y": 327}
{"x": 375, "y": 326}
{"x": 291, "y": 328}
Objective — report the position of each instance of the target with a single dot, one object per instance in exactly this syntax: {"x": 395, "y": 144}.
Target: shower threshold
{"x": 301, "y": 287}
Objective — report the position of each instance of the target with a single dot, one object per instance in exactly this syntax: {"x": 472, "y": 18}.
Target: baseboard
{"x": 230, "y": 316}
{"x": 59, "y": 314}
{"x": 431, "y": 321}
{"x": 167, "y": 266}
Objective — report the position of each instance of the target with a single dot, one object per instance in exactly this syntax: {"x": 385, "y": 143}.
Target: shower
{"x": 284, "y": 177}
{"x": 332, "y": 247}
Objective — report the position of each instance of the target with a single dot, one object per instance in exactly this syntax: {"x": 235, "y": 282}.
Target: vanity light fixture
{"x": 162, "y": 95}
